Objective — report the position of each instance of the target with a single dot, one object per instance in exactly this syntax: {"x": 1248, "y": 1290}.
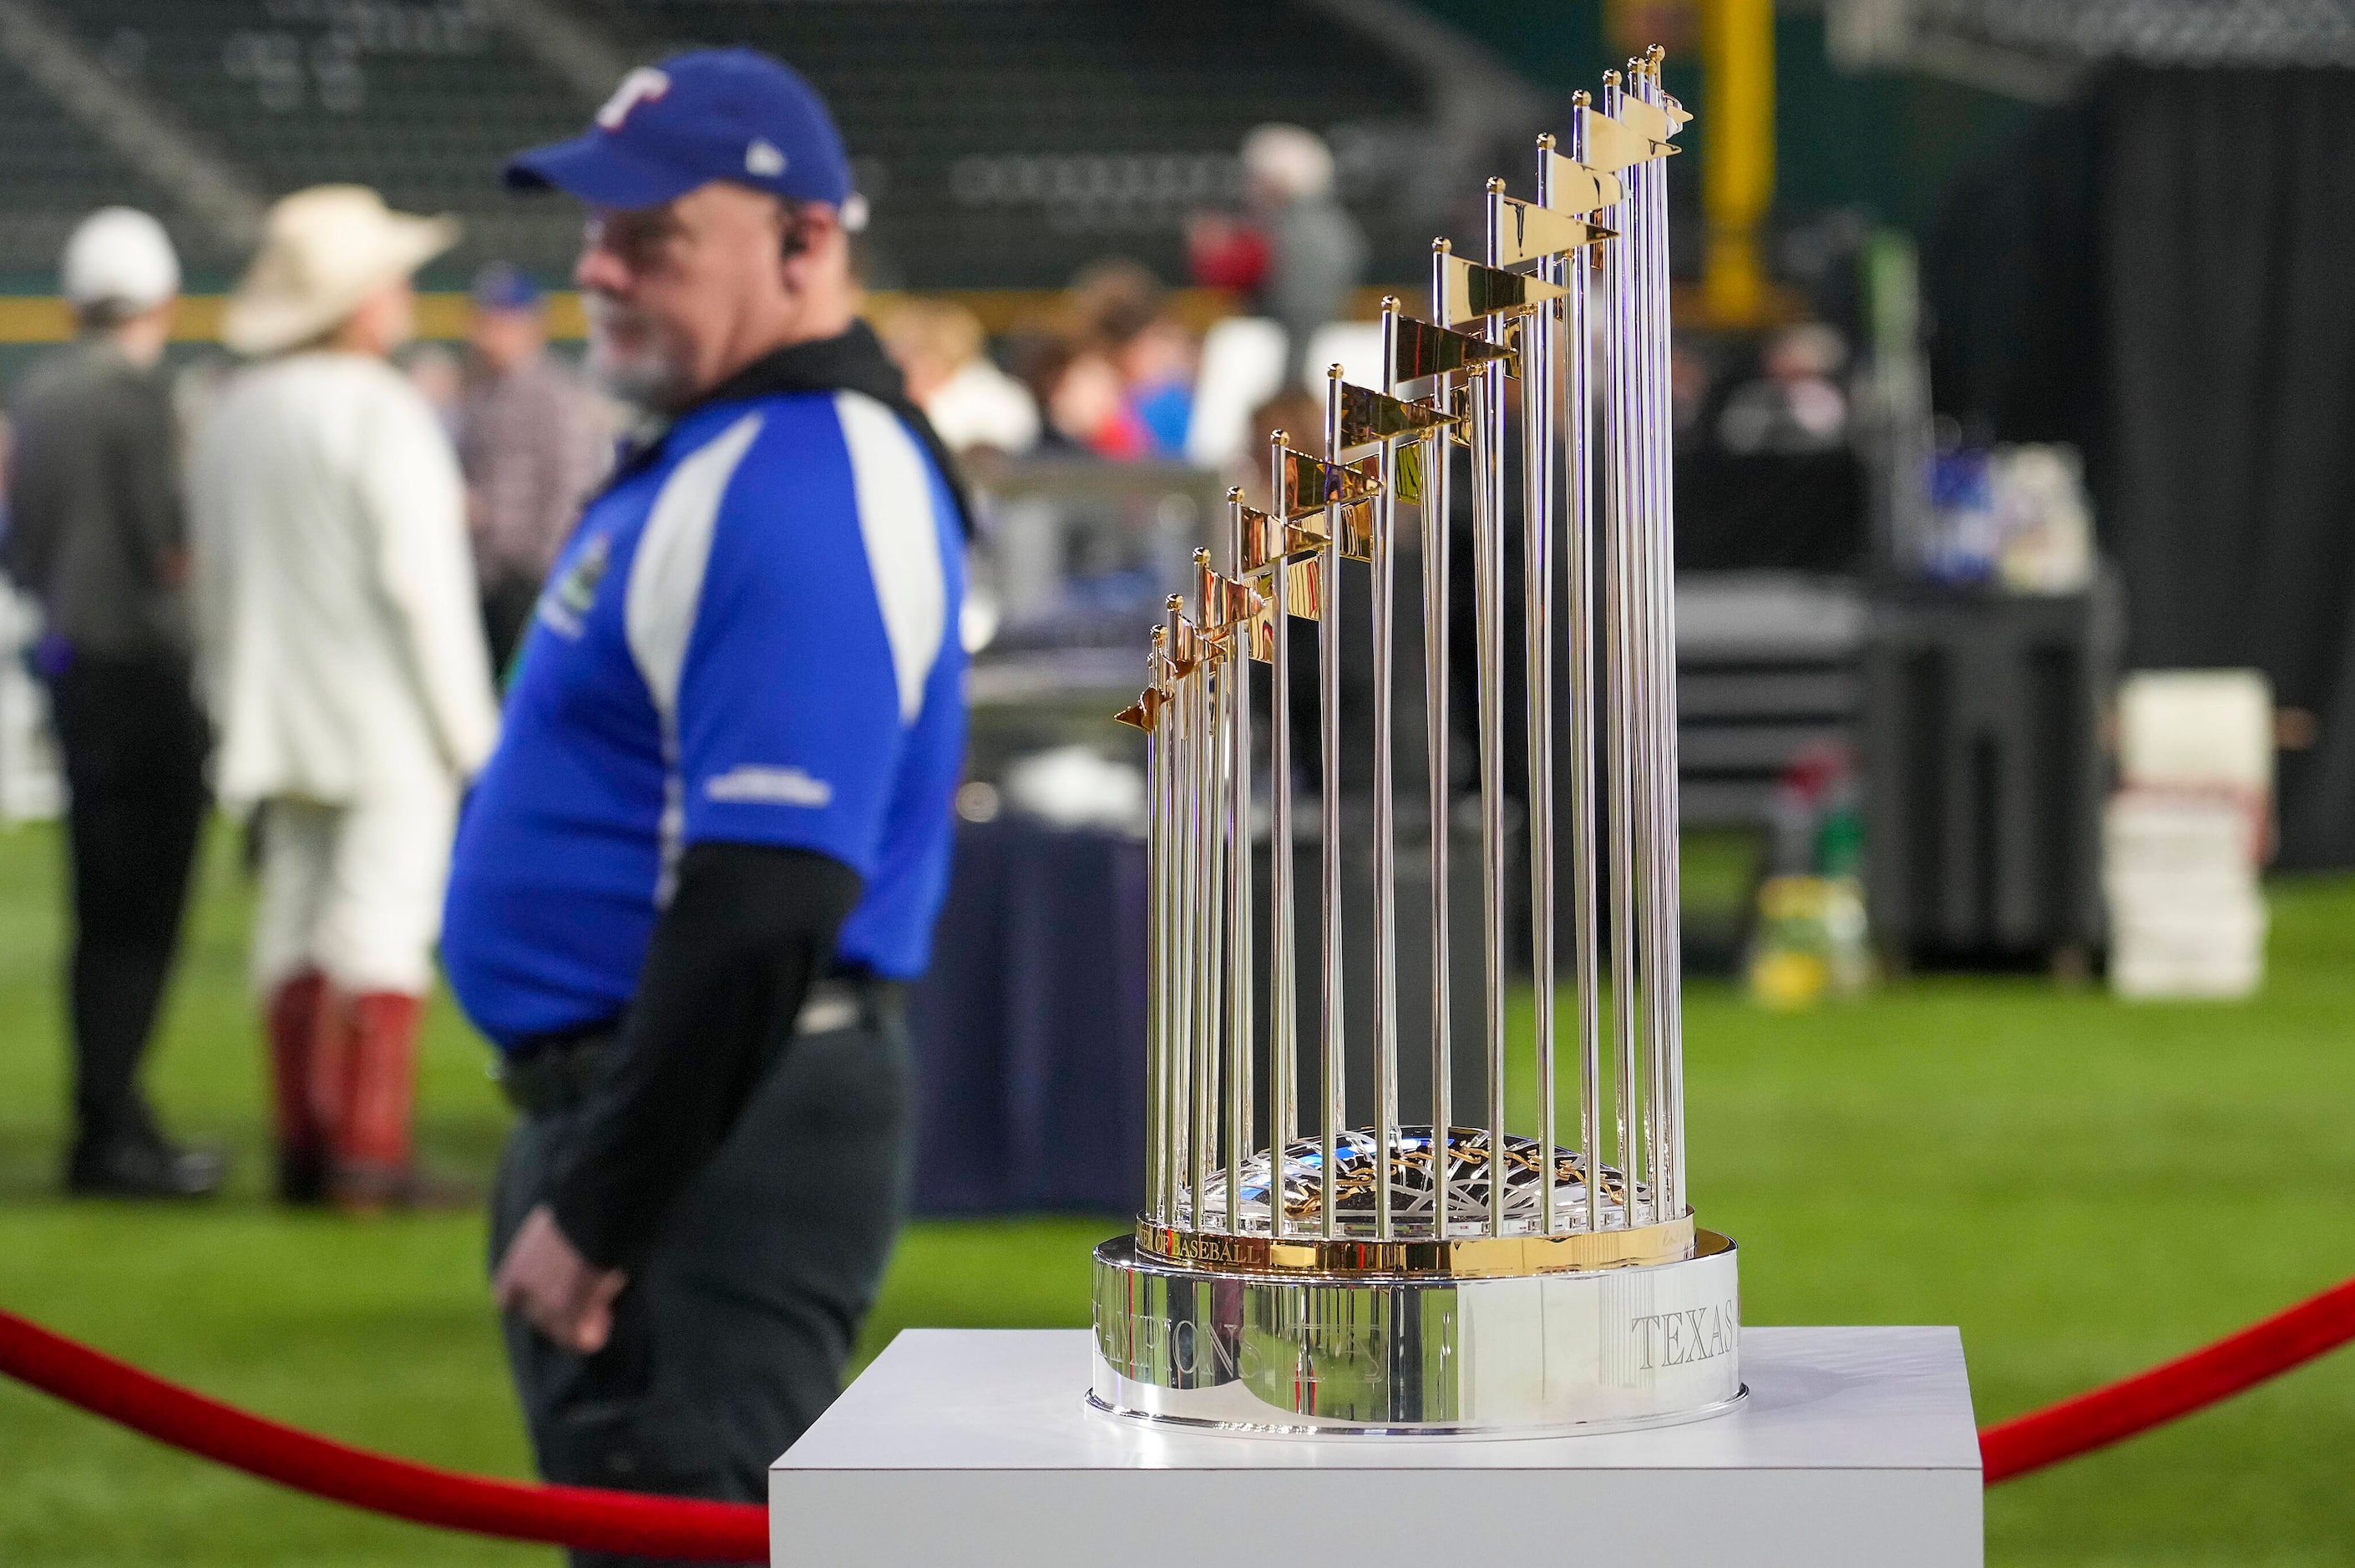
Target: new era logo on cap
{"x": 707, "y": 114}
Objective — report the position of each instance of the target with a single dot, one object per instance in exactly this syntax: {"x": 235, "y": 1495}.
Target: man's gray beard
{"x": 645, "y": 381}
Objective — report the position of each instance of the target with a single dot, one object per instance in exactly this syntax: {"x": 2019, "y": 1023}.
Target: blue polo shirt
{"x": 752, "y": 637}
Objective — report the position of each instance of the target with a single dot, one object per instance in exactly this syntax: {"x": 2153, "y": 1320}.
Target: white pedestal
{"x": 977, "y": 1447}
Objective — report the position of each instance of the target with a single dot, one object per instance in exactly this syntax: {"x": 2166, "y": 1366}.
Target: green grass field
{"x": 2085, "y": 1186}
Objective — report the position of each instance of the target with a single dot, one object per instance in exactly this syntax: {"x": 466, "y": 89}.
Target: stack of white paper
{"x": 2187, "y": 917}
{"x": 2184, "y": 837}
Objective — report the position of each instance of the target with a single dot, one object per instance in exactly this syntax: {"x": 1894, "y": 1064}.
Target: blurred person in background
{"x": 97, "y": 534}
{"x": 1292, "y": 411}
{"x": 695, "y": 879}
{"x": 1116, "y": 309}
{"x": 531, "y": 446}
{"x": 974, "y": 406}
{"x": 440, "y": 379}
{"x": 1225, "y": 251}
{"x": 344, "y": 660}
{"x": 1691, "y": 378}
{"x": 1078, "y": 391}
{"x": 1298, "y": 253}
{"x": 1156, "y": 367}
{"x": 1795, "y": 406}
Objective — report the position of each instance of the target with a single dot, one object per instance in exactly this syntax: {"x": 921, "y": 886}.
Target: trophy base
{"x": 1535, "y": 1355}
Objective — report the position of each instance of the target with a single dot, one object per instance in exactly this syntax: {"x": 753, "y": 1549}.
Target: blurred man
{"x": 96, "y": 535}
{"x": 531, "y": 448}
{"x": 974, "y": 406}
{"x": 691, "y": 883}
{"x": 344, "y": 658}
{"x": 1317, "y": 253}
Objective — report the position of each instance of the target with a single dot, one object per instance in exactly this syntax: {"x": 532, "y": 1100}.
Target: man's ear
{"x": 811, "y": 242}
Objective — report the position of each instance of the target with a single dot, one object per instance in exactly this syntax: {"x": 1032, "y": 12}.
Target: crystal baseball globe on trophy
{"x": 1389, "y": 1267}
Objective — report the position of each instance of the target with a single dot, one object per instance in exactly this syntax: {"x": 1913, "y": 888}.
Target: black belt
{"x": 548, "y": 1073}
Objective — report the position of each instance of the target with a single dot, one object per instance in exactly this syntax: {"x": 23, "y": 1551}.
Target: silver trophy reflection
{"x": 1385, "y": 1268}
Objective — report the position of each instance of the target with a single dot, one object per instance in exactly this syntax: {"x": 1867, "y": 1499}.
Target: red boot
{"x": 294, "y": 1020}
{"x": 371, "y": 1164}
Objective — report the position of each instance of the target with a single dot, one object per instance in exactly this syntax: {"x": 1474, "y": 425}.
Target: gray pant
{"x": 732, "y": 1337}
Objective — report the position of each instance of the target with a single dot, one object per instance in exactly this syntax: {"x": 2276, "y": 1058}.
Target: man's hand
{"x": 559, "y": 1292}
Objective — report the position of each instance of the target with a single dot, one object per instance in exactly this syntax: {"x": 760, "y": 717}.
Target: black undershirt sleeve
{"x": 750, "y": 928}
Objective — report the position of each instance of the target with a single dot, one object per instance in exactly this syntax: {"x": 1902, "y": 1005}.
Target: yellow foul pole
{"x": 1738, "y": 163}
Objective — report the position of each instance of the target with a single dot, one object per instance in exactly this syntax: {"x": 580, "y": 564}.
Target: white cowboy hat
{"x": 322, "y": 251}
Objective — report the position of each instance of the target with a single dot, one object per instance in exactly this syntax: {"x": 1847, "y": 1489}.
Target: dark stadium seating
{"x": 1005, "y": 144}
{"x": 421, "y": 100}
{"x": 52, "y": 172}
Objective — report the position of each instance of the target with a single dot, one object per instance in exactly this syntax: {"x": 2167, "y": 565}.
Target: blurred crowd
{"x": 287, "y": 587}
{"x": 1121, "y": 366}
{"x": 1112, "y": 368}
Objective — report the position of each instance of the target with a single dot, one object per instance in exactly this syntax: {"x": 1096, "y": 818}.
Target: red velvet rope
{"x": 2104, "y": 1415}
{"x": 583, "y": 1517}
{"x": 601, "y": 1520}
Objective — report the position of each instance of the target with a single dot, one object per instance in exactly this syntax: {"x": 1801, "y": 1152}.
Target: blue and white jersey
{"x": 751, "y": 637}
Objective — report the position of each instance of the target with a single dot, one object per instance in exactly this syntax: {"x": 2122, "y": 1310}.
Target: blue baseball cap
{"x": 502, "y": 286}
{"x": 707, "y": 114}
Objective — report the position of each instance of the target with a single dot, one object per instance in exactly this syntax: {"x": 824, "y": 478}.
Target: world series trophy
{"x": 1337, "y": 1268}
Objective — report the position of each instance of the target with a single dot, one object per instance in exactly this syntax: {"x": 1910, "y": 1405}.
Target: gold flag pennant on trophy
{"x": 1310, "y": 485}
{"x": 1185, "y": 649}
{"x": 1474, "y": 291}
{"x": 1224, "y": 601}
{"x": 1255, "y": 543}
{"x": 1424, "y": 349}
{"x": 1577, "y": 188}
{"x": 1611, "y": 145}
{"x": 1650, "y": 121}
{"x": 1406, "y": 472}
{"x": 1144, "y": 713}
{"x": 1304, "y": 582}
{"x": 1526, "y": 231}
{"x": 1307, "y": 537}
{"x": 1369, "y": 415}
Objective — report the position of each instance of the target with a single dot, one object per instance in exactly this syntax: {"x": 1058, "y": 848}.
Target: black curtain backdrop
{"x": 2165, "y": 275}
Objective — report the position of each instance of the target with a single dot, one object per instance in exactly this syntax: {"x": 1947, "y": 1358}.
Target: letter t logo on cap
{"x": 643, "y": 85}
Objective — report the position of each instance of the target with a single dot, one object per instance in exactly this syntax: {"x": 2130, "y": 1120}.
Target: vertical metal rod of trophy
{"x": 1240, "y": 1047}
{"x": 1181, "y": 927}
{"x": 1157, "y": 937}
{"x": 1659, "y": 659}
{"x": 1198, "y": 975}
{"x": 1578, "y": 516}
{"x": 1662, "y": 962}
{"x": 1643, "y": 660}
{"x": 1618, "y": 685}
{"x": 1173, "y": 1101}
{"x": 1385, "y": 1021}
{"x": 1538, "y": 368}
{"x": 1332, "y": 1109}
{"x": 1645, "y": 663}
{"x": 1488, "y": 532}
{"x": 1220, "y": 964}
{"x": 1203, "y": 976}
{"x": 1628, "y": 325}
{"x": 1667, "y": 877}
{"x": 1283, "y": 1002}
{"x": 1438, "y": 468}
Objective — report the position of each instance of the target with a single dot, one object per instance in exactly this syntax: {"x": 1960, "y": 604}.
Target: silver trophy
{"x": 1339, "y": 1269}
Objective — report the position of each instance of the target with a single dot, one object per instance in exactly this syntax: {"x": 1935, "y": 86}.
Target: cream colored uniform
{"x": 343, "y": 657}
